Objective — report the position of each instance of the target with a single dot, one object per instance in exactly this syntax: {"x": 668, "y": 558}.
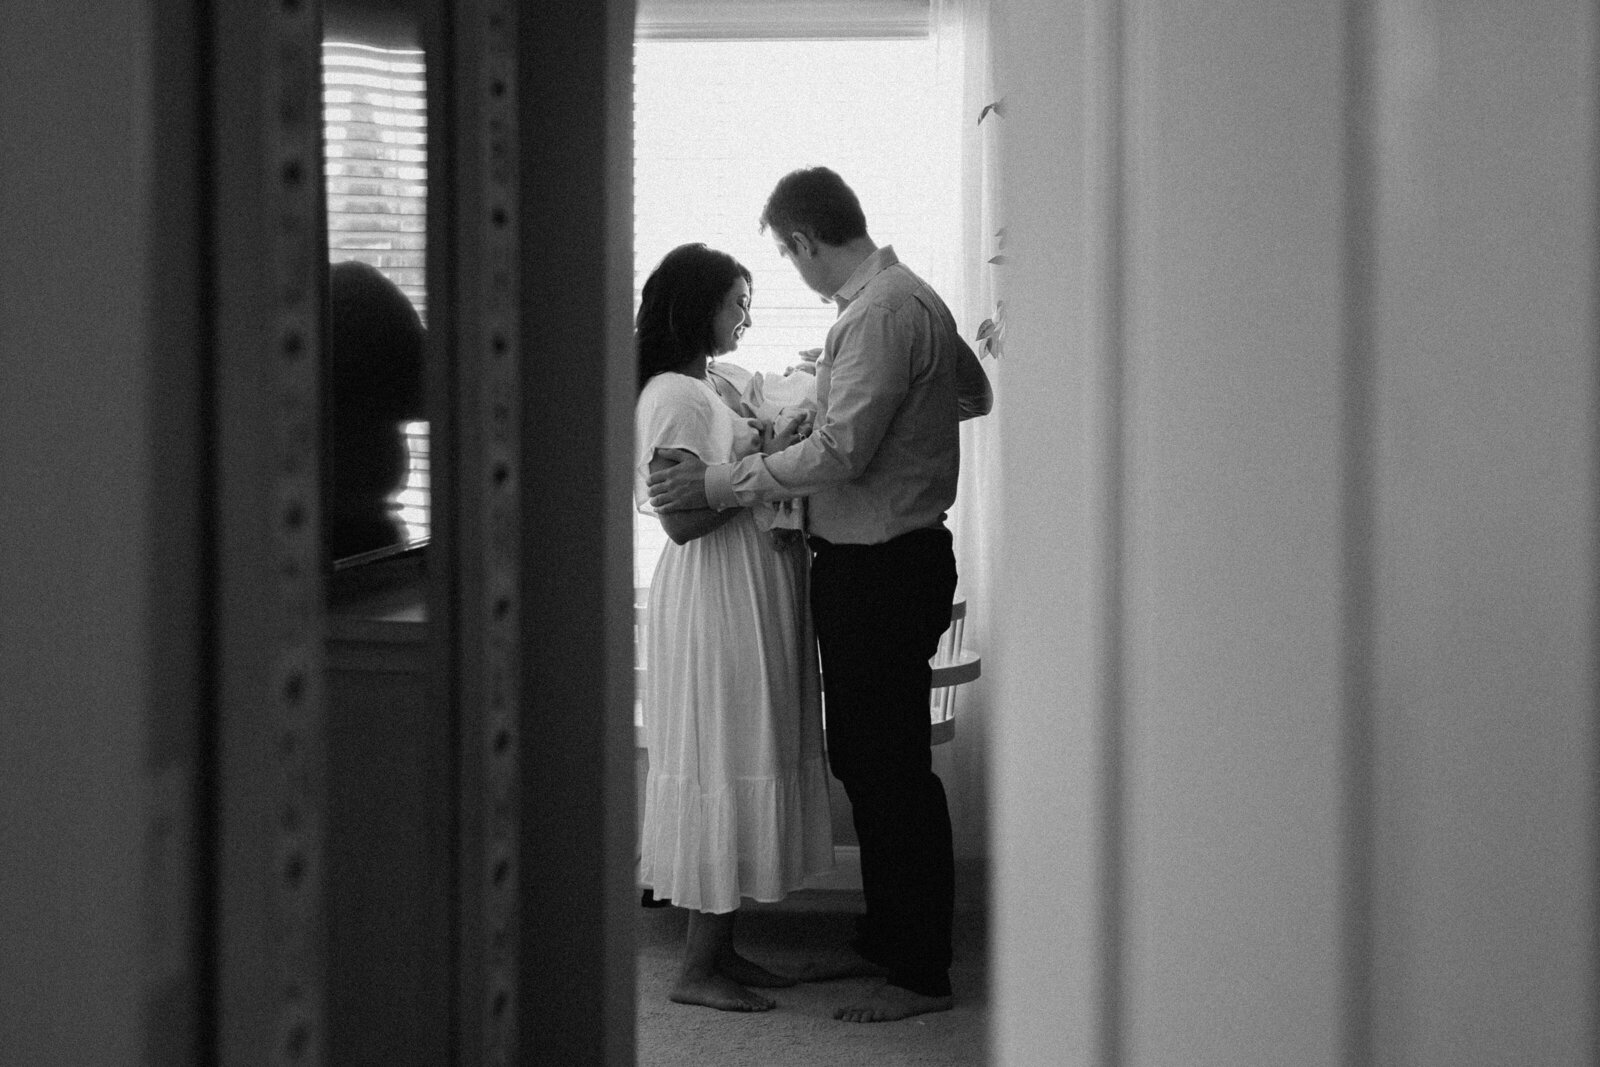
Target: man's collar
{"x": 879, "y": 260}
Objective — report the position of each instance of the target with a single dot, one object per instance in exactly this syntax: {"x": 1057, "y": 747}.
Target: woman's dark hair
{"x": 679, "y": 305}
{"x": 816, "y": 202}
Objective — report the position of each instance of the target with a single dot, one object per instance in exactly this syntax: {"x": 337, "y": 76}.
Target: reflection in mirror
{"x": 375, "y": 387}
{"x": 375, "y": 438}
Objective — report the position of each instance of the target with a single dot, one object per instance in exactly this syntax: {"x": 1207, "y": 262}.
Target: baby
{"x": 776, "y": 405}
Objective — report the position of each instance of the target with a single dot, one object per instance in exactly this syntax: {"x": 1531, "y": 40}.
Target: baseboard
{"x": 846, "y": 874}
{"x": 841, "y": 887}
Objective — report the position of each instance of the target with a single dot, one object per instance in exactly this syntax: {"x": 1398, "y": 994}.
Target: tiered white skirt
{"x": 736, "y": 800}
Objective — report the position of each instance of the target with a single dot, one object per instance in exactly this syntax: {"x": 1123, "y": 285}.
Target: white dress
{"x": 736, "y": 799}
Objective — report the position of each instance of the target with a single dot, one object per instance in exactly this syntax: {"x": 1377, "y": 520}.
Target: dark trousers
{"x": 879, "y": 611}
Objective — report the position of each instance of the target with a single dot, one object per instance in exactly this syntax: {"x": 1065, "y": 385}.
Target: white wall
{"x": 1485, "y": 627}
{"x": 1296, "y": 753}
{"x": 1232, "y": 536}
{"x": 1044, "y": 665}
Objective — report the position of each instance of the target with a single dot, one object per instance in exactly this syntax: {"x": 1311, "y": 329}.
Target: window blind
{"x": 766, "y": 20}
{"x": 374, "y": 116}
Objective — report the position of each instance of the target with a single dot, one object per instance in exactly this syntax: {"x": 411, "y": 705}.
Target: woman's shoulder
{"x": 671, "y": 392}
{"x": 671, "y": 384}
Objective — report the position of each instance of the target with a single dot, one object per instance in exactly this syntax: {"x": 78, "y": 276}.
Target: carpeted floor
{"x": 801, "y": 1030}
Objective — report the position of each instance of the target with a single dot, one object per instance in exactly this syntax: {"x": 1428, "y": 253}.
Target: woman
{"x": 736, "y": 800}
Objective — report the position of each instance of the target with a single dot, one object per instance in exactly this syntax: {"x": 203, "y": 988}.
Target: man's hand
{"x": 808, "y": 361}
{"x": 680, "y": 487}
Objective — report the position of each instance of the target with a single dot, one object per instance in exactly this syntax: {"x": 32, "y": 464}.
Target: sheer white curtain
{"x": 971, "y": 284}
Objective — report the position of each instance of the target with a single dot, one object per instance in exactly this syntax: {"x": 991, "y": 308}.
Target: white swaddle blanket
{"x": 771, "y": 401}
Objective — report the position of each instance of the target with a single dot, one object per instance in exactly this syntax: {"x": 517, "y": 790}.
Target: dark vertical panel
{"x": 1357, "y": 531}
{"x": 485, "y": 514}
{"x": 440, "y": 44}
{"x": 238, "y": 994}
{"x": 389, "y": 994}
{"x": 180, "y": 695}
{"x": 266, "y": 253}
{"x": 1593, "y": 998}
{"x": 1111, "y": 369}
{"x": 577, "y": 731}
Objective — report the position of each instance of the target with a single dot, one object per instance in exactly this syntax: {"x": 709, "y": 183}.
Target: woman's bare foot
{"x": 842, "y": 962}
{"x": 736, "y": 968}
{"x": 715, "y": 991}
{"x": 714, "y": 974}
{"x": 890, "y": 1003}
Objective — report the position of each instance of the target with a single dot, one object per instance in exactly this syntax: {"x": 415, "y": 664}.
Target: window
{"x": 717, "y": 122}
{"x": 718, "y": 118}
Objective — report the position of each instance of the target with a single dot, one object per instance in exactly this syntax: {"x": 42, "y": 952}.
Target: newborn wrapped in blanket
{"x": 773, "y": 402}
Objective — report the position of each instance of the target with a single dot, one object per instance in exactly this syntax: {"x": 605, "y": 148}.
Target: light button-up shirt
{"x": 894, "y": 381}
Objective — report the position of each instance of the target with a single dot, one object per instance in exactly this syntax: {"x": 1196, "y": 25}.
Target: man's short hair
{"x": 816, "y": 202}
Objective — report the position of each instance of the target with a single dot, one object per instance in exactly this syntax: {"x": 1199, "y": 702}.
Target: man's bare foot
{"x": 736, "y": 968}
{"x": 840, "y": 963}
{"x": 890, "y": 1003}
{"x": 715, "y": 991}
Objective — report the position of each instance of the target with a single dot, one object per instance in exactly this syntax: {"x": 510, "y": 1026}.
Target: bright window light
{"x": 717, "y": 123}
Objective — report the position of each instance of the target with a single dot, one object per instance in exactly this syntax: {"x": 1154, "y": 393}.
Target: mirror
{"x": 391, "y": 782}
{"x": 380, "y": 778}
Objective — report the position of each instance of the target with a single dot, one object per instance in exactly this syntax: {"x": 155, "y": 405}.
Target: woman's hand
{"x": 787, "y": 430}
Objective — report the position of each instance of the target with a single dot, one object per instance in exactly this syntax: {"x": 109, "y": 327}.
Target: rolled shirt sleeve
{"x": 973, "y": 392}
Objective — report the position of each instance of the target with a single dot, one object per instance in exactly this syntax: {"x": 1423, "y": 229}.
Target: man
{"x": 879, "y": 471}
